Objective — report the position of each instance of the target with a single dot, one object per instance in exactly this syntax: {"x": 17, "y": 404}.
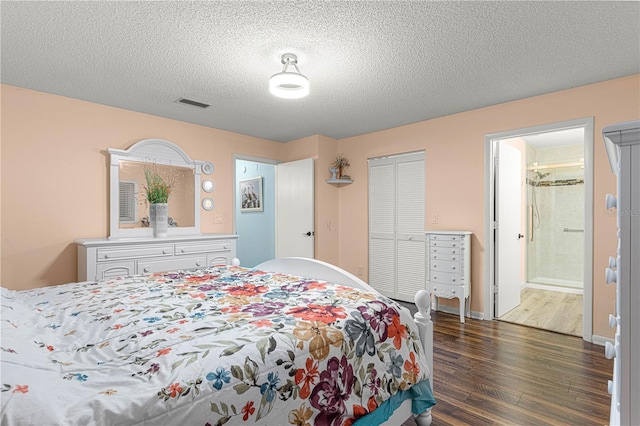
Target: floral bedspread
{"x": 208, "y": 347}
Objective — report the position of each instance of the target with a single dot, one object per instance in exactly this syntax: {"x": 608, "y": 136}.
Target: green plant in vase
{"x": 158, "y": 190}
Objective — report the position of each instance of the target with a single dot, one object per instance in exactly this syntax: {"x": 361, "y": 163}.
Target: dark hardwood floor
{"x": 497, "y": 373}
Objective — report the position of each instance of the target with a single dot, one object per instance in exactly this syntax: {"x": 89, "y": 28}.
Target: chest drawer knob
{"x": 453, "y": 267}
{"x": 198, "y": 263}
{"x": 453, "y": 280}
{"x": 164, "y": 252}
{"x": 609, "y": 350}
{"x": 453, "y": 251}
{"x": 611, "y": 201}
{"x": 613, "y": 321}
{"x": 435, "y": 266}
{"x": 146, "y": 269}
{"x": 182, "y": 251}
{"x": 106, "y": 256}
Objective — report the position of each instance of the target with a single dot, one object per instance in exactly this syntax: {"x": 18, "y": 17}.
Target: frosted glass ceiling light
{"x": 289, "y": 84}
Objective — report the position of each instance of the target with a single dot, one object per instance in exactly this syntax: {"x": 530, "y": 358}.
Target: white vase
{"x": 158, "y": 219}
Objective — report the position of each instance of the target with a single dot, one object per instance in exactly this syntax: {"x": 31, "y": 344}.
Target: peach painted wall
{"x": 55, "y": 177}
{"x": 454, "y": 147}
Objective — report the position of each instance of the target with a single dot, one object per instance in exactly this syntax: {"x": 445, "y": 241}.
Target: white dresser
{"x": 107, "y": 258}
{"x": 448, "y": 267}
{"x": 623, "y": 147}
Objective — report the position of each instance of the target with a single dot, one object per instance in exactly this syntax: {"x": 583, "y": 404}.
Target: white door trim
{"x": 233, "y": 190}
{"x": 489, "y": 261}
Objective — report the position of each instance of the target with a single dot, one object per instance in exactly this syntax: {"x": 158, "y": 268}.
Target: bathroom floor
{"x": 549, "y": 310}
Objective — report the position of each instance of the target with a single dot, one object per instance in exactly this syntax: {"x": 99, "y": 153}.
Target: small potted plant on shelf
{"x": 341, "y": 164}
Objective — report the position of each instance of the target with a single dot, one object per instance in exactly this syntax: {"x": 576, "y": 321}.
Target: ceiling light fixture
{"x": 289, "y": 84}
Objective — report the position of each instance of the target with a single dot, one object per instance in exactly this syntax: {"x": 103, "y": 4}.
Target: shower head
{"x": 542, "y": 176}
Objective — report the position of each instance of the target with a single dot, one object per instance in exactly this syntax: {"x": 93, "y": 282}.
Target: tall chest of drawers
{"x": 623, "y": 147}
{"x": 448, "y": 267}
{"x": 108, "y": 258}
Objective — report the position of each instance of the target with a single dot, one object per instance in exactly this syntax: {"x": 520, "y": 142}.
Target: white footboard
{"x": 318, "y": 269}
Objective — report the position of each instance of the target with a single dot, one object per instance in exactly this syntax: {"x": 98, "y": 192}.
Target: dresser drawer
{"x": 445, "y": 278}
{"x": 446, "y": 243}
{"x": 452, "y": 255}
{"x": 445, "y": 237}
{"x": 133, "y": 252}
{"x": 444, "y": 250}
{"x": 447, "y": 291}
{"x": 436, "y": 266}
{"x": 189, "y": 248}
{"x": 192, "y": 262}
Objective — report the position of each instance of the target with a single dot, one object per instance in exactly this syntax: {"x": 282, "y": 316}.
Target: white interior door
{"x": 295, "y": 228}
{"x": 509, "y": 239}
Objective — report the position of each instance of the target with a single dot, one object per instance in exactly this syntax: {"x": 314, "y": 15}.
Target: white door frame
{"x": 233, "y": 173}
{"x": 489, "y": 261}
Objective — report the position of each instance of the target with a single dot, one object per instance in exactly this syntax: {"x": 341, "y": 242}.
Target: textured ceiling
{"x": 372, "y": 65}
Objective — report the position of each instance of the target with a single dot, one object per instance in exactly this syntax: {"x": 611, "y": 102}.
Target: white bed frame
{"x": 318, "y": 269}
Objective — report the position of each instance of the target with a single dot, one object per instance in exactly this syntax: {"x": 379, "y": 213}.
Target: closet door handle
{"x": 520, "y": 236}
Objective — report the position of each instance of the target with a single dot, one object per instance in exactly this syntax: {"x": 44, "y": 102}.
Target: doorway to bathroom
{"x": 540, "y": 210}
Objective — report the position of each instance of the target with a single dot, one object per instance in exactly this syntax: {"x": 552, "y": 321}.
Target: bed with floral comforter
{"x": 225, "y": 345}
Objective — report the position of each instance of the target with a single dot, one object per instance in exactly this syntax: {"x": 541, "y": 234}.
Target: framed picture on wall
{"x": 251, "y": 194}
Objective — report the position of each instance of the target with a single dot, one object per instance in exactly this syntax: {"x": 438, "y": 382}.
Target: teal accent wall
{"x": 256, "y": 230}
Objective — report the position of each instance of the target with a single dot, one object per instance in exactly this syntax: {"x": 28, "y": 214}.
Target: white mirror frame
{"x": 156, "y": 151}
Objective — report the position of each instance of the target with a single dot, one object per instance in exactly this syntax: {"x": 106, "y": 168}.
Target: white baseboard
{"x": 456, "y": 311}
{"x": 553, "y": 288}
{"x": 599, "y": 340}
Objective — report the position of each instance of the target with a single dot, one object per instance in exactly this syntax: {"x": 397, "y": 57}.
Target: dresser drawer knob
{"x": 453, "y": 279}
{"x": 106, "y": 256}
{"x": 182, "y": 251}
{"x": 146, "y": 269}
{"x": 198, "y": 263}
{"x": 611, "y": 201}
{"x": 435, "y": 266}
{"x": 164, "y": 252}
{"x": 435, "y": 256}
{"x": 453, "y": 267}
{"x": 453, "y": 251}
{"x": 613, "y": 321}
{"x": 610, "y": 276}
{"x": 609, "y": 350}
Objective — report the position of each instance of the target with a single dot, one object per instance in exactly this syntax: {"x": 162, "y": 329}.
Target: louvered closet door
{"x": 382, "y": 228}
{"x": 396, "y": 225}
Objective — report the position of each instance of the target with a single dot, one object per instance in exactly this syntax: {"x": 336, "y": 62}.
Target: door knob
{"x": 520, "y": 236}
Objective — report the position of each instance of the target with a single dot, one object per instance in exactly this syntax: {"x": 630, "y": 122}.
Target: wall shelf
{"x": 339, "y": 182}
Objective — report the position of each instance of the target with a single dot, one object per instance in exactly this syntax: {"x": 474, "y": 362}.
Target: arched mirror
{"x": 129, "y": 208}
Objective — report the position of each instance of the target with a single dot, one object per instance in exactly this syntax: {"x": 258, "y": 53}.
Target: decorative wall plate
{"x": 207, "y": 168}
{"x": 208, "y": 204}
{"x": 207, "y": 185}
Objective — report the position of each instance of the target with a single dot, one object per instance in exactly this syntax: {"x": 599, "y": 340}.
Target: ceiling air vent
{"x": 192, "y": 103}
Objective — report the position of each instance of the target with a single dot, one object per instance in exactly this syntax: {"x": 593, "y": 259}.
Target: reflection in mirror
{"x": 127, "y": 218}
{"x": 134, "y": 208}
